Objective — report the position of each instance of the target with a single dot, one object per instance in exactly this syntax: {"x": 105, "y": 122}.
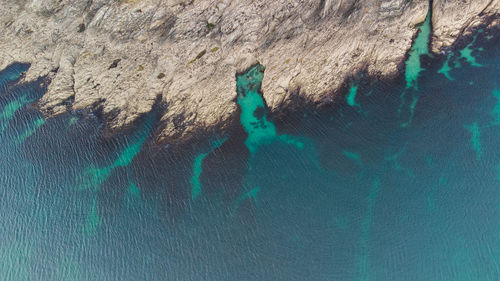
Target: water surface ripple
{"x": 375, "y": 187}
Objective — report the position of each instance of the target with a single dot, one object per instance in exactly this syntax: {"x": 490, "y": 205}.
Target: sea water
{"x": 400, "y": 180}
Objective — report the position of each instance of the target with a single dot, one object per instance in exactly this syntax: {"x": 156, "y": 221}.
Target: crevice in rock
{"x": 114, "y": 64}
{"x": 421, "y": 46}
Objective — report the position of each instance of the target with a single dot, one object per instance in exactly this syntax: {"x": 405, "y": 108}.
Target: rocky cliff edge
{"x": 120, "y": 56}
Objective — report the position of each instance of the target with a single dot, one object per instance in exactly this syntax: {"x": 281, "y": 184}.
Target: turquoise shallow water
{"x": 397, "y": 181}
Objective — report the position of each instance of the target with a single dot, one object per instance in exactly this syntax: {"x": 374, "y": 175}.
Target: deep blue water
{"x": 391, "y": 183}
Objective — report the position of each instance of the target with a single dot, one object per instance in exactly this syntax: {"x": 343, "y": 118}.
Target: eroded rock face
{"x": 454, "y": 18}
{"x": 120, "y": 56}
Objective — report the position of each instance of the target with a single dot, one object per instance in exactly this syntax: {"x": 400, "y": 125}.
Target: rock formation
{"x": 119, "y": 56}
{"x": 454, "y": 18}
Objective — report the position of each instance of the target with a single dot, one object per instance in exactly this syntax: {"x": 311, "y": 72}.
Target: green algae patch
{"x": 129, "y": 153}
{"x": 446, "y": 68}
{"x": 253, "y": 112}
{"x": 366, "y": 224}
{"x": 134, "y": 191}
{"x": 251, "y": 194}
{"x": 292, "y": 141}
{"x": 420, "y": 47}
{"x": 394, "y": 159}
{"x": 466, "y": 53}
{"x": 254, "y": 121}
{"x": 351, "y": 96}
{"x": 495, "y": 113}
{"x": 413, "y": 105}
{"x": 196, "y": 188}
{"x": 475, "y": 139}
{"x": 195, "y": 179}
{"x": 133, "y": 195}
{"x": 31, "y": 130}
{"x": 413, "y": 64}
{"x": 72, "y": 120}
{"x": 95, "y": 176}
{"x": 354, "y": 156}
{"x": 253, "y": 115}
{"x": 11, "y": 108}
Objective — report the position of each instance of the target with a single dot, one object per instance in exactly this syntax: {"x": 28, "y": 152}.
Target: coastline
{"x": 185, "y": 126}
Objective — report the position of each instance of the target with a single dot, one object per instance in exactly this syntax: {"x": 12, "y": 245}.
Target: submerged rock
{"x": 119, "y": 56}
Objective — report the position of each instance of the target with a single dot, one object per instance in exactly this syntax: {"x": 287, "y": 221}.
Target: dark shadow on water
{"x": 11, "y": 74}
{"x": 224, "y": 168}
{"x": 161, "y": 175}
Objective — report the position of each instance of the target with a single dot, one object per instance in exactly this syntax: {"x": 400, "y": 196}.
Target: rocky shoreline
{"x": 121, "y": 58}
